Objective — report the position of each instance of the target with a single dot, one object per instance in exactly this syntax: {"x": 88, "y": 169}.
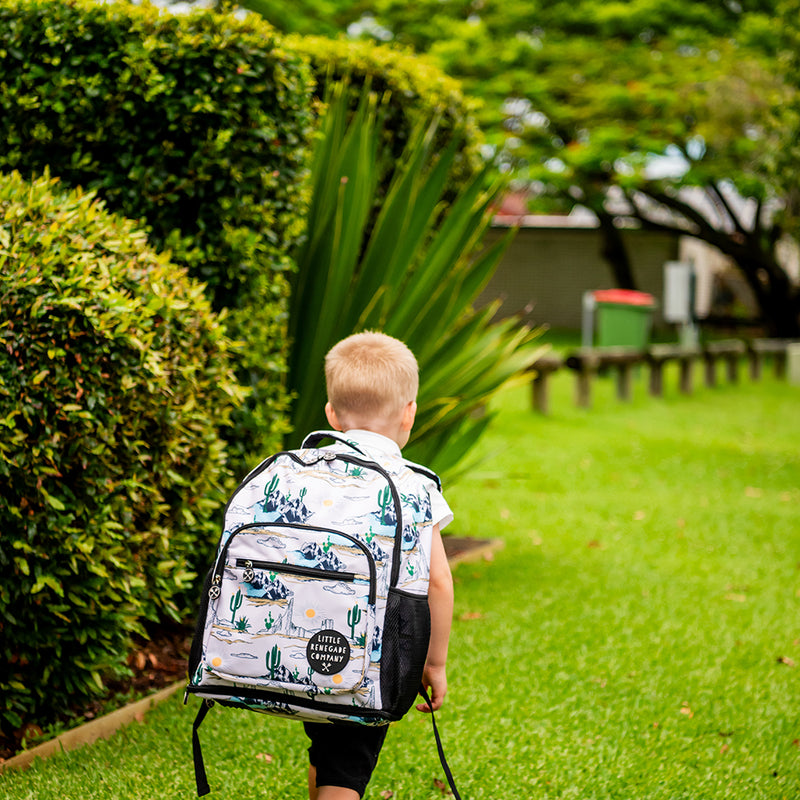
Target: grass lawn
{"x": 636, "y": 638}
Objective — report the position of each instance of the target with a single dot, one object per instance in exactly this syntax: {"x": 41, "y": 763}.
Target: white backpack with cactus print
{"x": 316, "y": 606}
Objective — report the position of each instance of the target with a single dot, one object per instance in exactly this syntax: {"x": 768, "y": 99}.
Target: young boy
{"x": 372, "y": 381}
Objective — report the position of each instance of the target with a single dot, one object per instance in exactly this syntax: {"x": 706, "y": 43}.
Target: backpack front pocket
{"x": 295, "y": 610}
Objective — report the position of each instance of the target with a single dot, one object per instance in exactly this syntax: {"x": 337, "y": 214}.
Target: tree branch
{"x": 692, "y": 215}
{"x": 698, "y": 226}
{"x": 714, "y": 191}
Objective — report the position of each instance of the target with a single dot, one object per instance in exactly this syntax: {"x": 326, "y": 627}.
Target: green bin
{"x": 623, "y": 318}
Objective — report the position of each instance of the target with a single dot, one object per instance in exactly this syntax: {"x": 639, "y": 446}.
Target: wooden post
{"x": 759, "y": 348}
{"x": 711, "y": 370}
{"x": 657, "y": 378}
{"x": 780, "y": 363}
{"x": 543, "y": 367}
{"x": 585, "y": 363}
{"x": 732, "y": 367}
{"x": 659, "y": 354}
{"x": 583, "y": 388}
{"x": 731, "y": 350}
{"x": 624, "y": 381}
{"x": 686, "y": 366}
{"x": 754, "y": 357}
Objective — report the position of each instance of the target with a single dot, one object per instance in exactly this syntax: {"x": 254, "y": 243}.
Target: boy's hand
{"x": 434, "y": 679}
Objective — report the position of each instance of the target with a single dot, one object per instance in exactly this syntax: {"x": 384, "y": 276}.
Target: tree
{"x": 713, "y": 115}
{"x": 586, "y": 101}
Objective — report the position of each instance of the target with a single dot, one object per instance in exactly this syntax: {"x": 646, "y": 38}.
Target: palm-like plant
{"x": 411, "y": 269}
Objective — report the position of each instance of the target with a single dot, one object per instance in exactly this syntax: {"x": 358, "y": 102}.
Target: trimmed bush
{"x": 114, "y": 377}
{"x": 198, "y": 125}
{"x": 414, "y": 91}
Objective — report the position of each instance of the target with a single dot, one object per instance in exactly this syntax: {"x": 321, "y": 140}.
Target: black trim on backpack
{"x": 245, "y": 693}
{"x": 428, "y": 473}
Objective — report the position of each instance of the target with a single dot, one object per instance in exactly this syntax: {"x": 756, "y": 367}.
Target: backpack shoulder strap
{"x": 313, "y": 440}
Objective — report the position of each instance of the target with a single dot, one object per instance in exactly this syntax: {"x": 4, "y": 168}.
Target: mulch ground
{"x": 154, "y": 664}
{"x": 161, "y": 661}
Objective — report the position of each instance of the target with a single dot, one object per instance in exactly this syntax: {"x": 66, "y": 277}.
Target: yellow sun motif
{"x": 311, "y": 613}
{"x": 215, "y": 662}
{"x": 337, "y": 679}
{"x": 327, "y": 503}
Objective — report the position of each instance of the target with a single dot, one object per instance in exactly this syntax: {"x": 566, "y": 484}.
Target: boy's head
{"x": 372, "y": 382}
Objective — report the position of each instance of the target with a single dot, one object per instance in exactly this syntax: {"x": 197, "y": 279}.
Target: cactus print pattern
{"x": 307, "y": 548}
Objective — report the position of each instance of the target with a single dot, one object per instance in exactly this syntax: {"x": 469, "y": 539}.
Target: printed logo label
{"x": 328, "y": 652}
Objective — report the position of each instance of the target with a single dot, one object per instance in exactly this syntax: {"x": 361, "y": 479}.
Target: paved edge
{"x": 100, "y": 728}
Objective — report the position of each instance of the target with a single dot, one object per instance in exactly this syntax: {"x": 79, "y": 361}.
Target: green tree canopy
{"x": 661, "y": 115}
{"x": 589, "y": 102}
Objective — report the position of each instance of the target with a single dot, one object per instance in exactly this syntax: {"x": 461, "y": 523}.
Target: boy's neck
{"x": 371, "y": 437}
{"x": 397, "y": 427}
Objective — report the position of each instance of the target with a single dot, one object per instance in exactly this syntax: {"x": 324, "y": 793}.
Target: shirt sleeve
{"x": 440, "y": 511}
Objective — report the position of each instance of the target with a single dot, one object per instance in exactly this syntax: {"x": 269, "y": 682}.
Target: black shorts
{"x": 344, "y": 755}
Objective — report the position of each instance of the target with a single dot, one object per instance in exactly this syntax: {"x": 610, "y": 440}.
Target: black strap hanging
{"x": 200, "y": 771}
{"x": 439, "y": 746}
{"x": 199, "y": 767}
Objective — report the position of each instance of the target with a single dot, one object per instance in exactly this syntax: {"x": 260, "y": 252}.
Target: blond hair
{"x": 370, "y": 375}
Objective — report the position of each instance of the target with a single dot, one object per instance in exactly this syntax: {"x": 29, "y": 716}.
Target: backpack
{"x": 316, "y": 605}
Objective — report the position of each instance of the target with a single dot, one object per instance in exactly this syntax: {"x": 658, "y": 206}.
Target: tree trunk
{"x": 751, "y": 248}
{"x": 777, "y": 297}
{"x": 615, "y": 253}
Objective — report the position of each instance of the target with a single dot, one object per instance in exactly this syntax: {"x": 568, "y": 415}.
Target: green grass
{"x": 625, "y": 643}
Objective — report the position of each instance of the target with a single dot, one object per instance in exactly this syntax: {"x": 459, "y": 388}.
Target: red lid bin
{"x": 623, "y": 317}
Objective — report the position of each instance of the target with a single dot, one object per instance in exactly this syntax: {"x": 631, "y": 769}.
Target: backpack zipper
{"x": 308, "y": 572}
{"x": 329, "y": 455}
{"x": 219, "y": 567}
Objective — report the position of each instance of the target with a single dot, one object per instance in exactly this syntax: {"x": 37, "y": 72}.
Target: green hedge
{"x": 415, "y": 91}
{"x": 114, "y": 376}
{"x": 198, "y": 125}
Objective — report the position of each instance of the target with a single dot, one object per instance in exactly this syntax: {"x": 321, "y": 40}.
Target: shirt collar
{"x": 376, "y": 442}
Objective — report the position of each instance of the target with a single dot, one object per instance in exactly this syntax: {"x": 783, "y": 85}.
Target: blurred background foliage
{"x": 678, "y": 116}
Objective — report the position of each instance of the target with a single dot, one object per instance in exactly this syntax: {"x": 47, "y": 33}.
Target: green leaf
{"x": 53, "y": 501}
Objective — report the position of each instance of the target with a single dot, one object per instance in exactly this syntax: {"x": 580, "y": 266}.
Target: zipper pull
{"x": 214, "y": 591}
{"x": 249, "y": 573}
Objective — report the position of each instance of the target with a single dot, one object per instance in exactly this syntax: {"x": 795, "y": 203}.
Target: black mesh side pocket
{"x": 406, "y": 634}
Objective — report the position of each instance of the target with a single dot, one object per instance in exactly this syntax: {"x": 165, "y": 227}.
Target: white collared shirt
{"x": 371, "y": 442}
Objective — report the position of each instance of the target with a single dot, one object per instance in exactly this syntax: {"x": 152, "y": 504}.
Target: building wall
{"x": 546, "y": 270}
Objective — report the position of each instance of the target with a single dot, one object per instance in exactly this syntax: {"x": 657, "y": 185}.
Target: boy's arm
{"x": 440, "y": 601}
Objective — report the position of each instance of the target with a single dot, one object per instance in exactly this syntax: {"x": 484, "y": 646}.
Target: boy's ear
{"x": 409, "y": 413}
{"x": 333, "y": 420}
